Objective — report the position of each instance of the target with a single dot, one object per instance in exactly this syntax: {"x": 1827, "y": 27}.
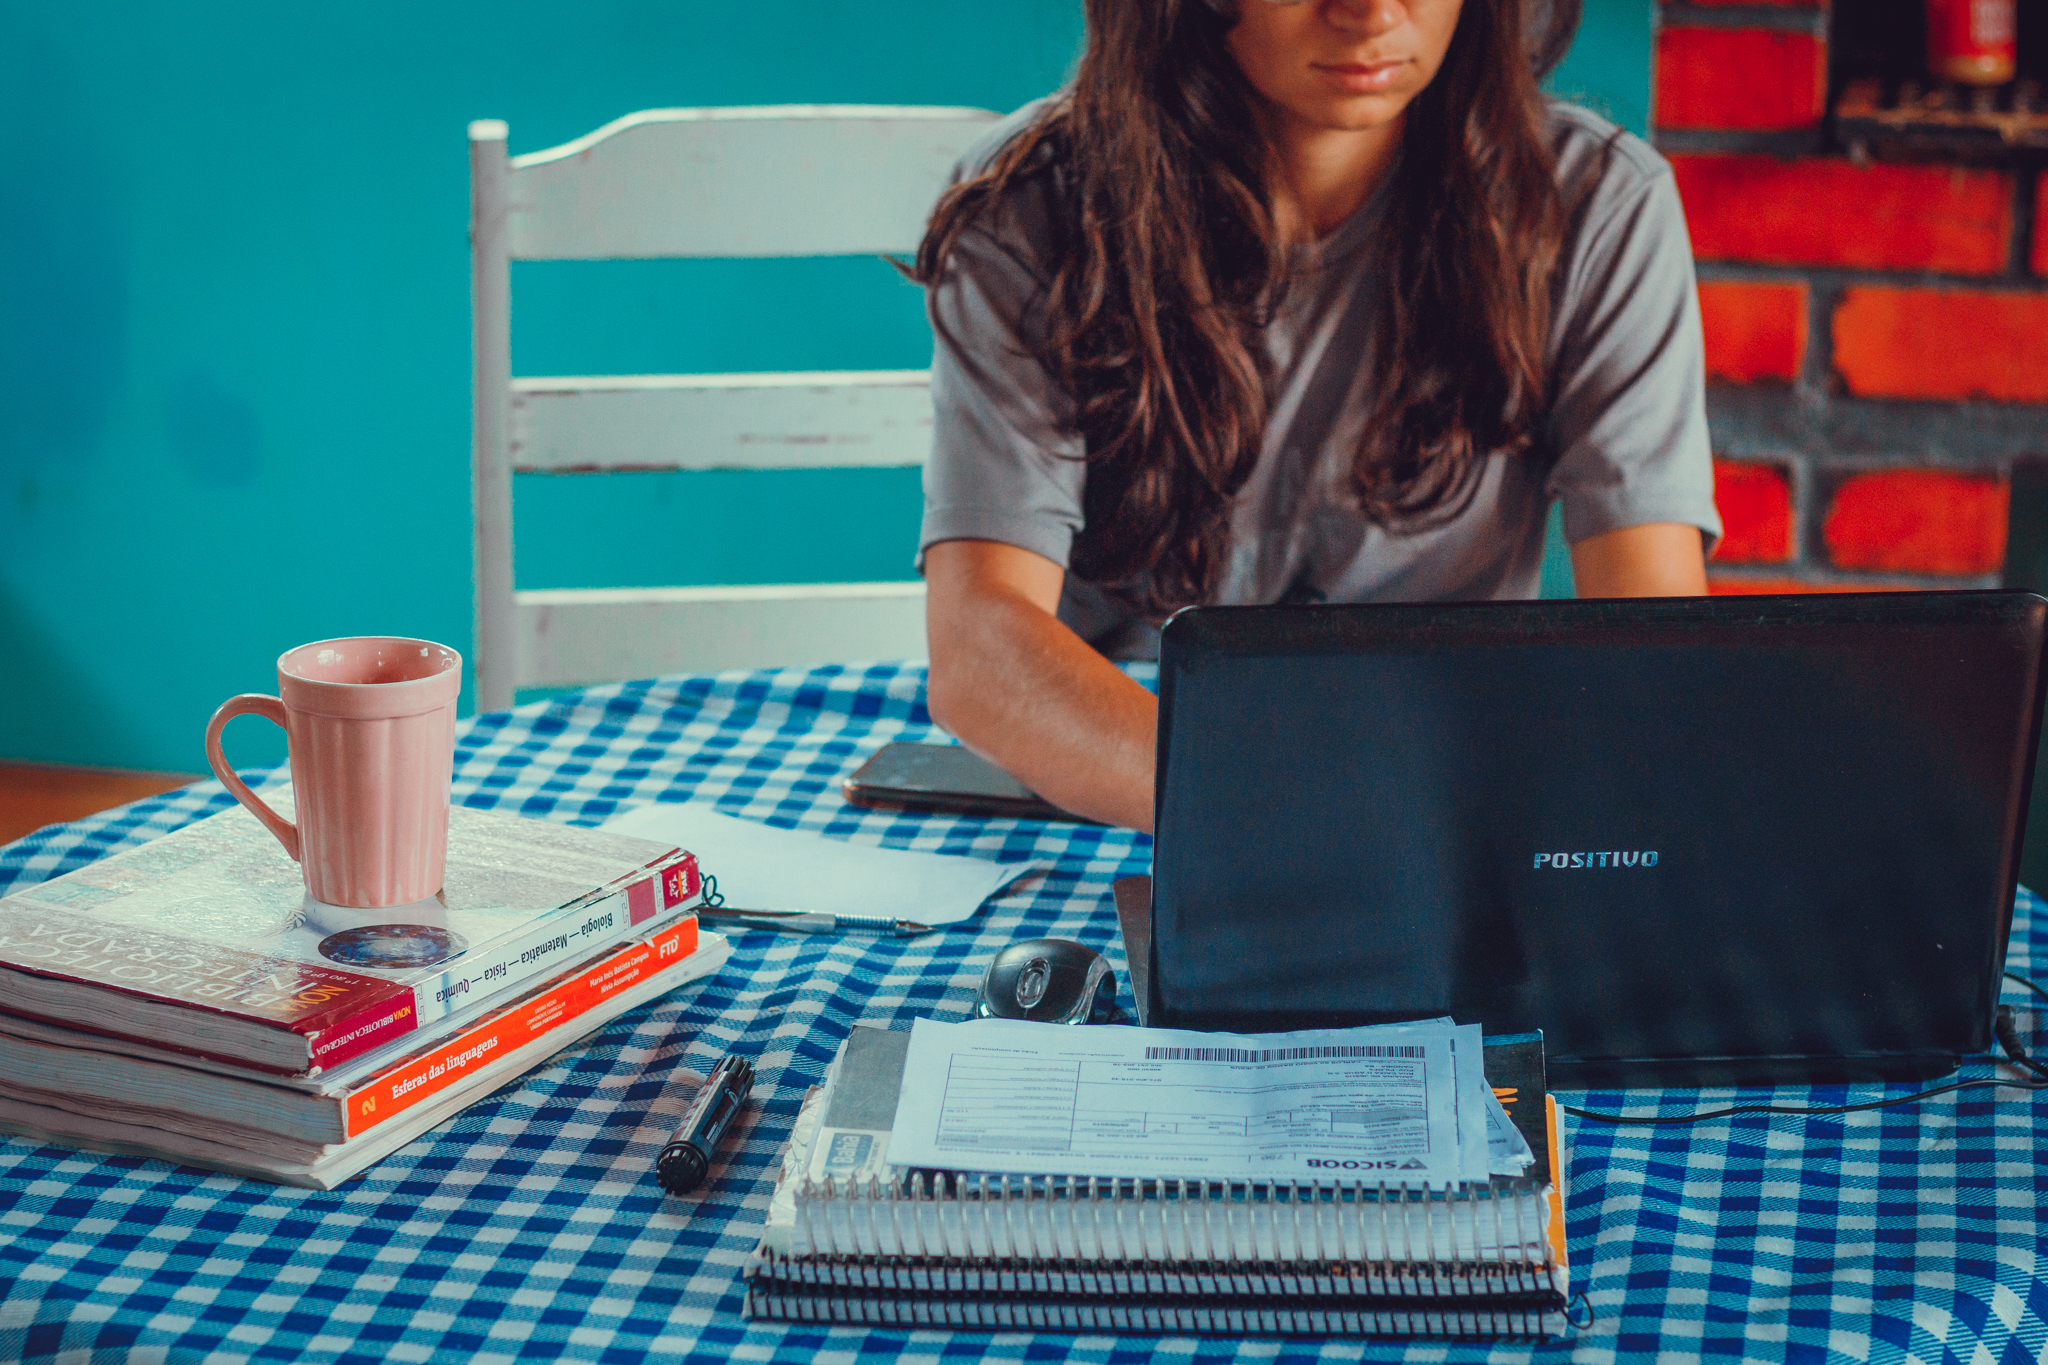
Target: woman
{"x": 1288, "y": 300}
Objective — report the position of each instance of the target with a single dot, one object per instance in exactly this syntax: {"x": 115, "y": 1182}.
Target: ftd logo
{"x": 668, "y": 947}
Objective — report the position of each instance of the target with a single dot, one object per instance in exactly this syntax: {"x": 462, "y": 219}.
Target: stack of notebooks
{"x": 187, "y": 1000}
{"x": 853, "y": 1238}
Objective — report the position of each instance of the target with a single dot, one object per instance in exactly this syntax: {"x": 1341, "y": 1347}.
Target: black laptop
{"x": 1694, "y": 841}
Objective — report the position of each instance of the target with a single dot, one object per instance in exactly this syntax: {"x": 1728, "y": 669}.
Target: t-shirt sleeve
{"x": 1005, "y": 462}
{"x": 1628, "y": 421}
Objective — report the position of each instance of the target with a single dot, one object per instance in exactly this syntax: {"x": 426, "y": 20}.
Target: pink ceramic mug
{"x": 371, "y": 726}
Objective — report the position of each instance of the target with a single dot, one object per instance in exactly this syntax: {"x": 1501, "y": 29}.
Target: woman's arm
{"x": 1662, "y": 559}
{"x": 1015, "y": 685}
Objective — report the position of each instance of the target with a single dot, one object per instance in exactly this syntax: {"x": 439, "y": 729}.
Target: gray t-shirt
{"x": 1624, "y": 443}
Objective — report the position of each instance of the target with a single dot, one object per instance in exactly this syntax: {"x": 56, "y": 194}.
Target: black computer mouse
{"x": 1050, "y": 981}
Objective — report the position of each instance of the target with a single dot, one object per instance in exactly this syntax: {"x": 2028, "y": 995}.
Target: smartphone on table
{"x": 946, "y": 778}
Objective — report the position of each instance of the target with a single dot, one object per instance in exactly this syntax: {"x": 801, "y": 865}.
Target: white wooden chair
{"x": 793, "y": 180}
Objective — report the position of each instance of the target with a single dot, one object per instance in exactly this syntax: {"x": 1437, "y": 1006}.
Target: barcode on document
{"x": 1276, "y": 1054}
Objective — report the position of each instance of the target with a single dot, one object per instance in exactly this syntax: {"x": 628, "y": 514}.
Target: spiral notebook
{"x": 851, "y": 1239}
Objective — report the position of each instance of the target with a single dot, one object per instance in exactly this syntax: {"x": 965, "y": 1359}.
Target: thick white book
{"x": 205, "y": 942}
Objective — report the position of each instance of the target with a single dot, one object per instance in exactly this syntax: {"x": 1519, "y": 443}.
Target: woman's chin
{"x": 1350, "y": 113}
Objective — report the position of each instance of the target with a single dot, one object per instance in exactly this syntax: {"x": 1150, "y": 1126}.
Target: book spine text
{"x": 413, "y": 1081}
{"x": 575, "y": 932}
{"x": 366, "y": 1029}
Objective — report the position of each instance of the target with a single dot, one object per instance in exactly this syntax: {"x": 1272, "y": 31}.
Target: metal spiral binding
{"x": 1492, "y": 1323}
{"x": 984, "y": 1233}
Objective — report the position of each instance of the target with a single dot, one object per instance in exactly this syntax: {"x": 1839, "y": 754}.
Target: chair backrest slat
{"x": 571, "y": 638}
{"x": 790, "y": 180}
{"x": 721, "y": 421}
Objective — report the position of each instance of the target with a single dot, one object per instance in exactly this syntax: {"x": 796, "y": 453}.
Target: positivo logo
{"x": 1564, "y": 861}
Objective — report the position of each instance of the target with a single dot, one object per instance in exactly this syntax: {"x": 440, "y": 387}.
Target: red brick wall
{"x": 2040, "y": 261}
{"x": 1788, "y": 88}
{"x": 1824, "y": 211}
{"x": 1754, "y": 331}
{"x": 1755, "y": 501}
{"x": 1876, "y": 331}
{"x": 1943, "y": 343}
{"x": 1925, "y": 521}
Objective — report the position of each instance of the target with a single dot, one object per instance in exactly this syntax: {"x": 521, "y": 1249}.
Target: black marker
{"x": 682, "y": 1165}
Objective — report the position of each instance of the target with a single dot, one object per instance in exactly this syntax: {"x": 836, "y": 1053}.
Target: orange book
{"x": 415, "y": 1079}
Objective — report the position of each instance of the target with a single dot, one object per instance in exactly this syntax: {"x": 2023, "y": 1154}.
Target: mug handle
{"x": 270, "y": 708}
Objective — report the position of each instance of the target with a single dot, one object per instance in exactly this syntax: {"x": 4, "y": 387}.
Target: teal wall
{"x": 234, "y": 352}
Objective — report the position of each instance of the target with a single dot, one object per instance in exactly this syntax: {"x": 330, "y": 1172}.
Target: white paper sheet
{"x": 1468, "y": 1042}
{"x": 759, "y": 868}
{"x": 1002, "y": 1095}
{"x": 1507, "y": 1151}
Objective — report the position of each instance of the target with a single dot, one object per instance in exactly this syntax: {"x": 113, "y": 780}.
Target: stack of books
{"x": 851, "y": 1238}
{"x": 187, "y": 1000}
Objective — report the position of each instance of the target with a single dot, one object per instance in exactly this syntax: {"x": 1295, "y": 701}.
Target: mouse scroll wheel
{"x": 1032, "y": 981}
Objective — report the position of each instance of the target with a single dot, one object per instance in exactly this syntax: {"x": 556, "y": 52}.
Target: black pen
{"x": 682, "y": 1165}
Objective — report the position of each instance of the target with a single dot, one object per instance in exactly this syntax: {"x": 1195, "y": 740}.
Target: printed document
{"x": 1369, "y": 1104}
{"x": 763, "y": 868}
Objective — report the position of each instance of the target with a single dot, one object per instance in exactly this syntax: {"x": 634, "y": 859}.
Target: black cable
{"x": 2031, "y": 984}
{"x": 2008, "y": 1035}
{"x": 1790, "y": 1109}
{"x": 2003, "y": 1028}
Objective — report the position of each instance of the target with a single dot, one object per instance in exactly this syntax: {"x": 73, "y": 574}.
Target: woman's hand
{"x": 1662, "y": 559}
{"x": 1015, "y": 685}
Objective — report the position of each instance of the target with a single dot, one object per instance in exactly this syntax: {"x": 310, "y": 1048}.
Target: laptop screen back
{"x": 1706, "y": 839}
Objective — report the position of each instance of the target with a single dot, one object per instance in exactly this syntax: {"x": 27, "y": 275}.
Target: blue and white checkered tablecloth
{"x": 531, "y": 1227}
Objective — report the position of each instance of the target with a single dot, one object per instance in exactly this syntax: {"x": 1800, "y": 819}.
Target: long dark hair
{"x": 1167, "y": 263}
